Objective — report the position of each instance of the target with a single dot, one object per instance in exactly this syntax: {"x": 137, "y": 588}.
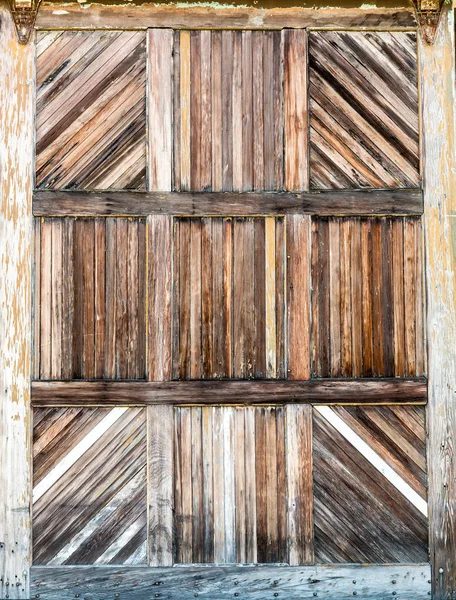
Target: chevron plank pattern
{"x": 370, "y": 485}
{"x": 91, "y": 110}
{"x": 89, "y": 496}
{"x": 363, "y": 110}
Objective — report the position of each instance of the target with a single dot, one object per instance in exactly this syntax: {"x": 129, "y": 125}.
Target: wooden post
{"x": 16, "y": 181}
{"x": 437, "y": 63}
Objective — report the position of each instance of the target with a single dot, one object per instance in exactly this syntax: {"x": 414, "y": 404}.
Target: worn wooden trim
{"x": 438, "y": 97}
{"x": 316, "y": 391}
{"x": 98, "y": 16}
{"x": 331, "y": 582}
{"x": 16, "y": 250}
{"x": 343, "y": 202}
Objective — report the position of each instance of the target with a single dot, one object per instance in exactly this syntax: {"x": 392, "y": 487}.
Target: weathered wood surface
{"x": 367, "y": 298}
{"x": 91, "y": 300}
{"x": 294, "y": 583}
{"x": 369, "y": 468}
{"x": 228, "y": 298}
{"x": 91, "y": 110}
{"x": 68, "y": 16}
{"x": 330, "y": 203}
{"x": 437, "y": 65}
{"x": 363, "y": 110}
{"x": 327, "y": 391}
{"x": 16, "y": 250}
{"x": 89, "y": 486}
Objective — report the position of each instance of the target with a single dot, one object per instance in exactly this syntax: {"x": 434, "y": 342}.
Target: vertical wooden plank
{"x": 316, "y": 283}
{"x": 208, "y": 487}
{"x": 228, "y": 295}
{"x": 184, "y": 299}
{"x": 270, "y": 284}
{"x": 210, "y": 322}
{"x": 377, "y": 307}
{"x": 420, "y": 300}
{"x": 298, "y": 290}
{"x": 272, "y": 509}
{"x": 334, "y": 297}
{"x": 398, "y": 295}
{"x": 268, "y": 109}
{"x": 46, "y": 299}
{"x": 345, "y": 299}
{"x": 185, "y": 94}
{"x": 356, "y": 293}
{"x": 437, "y": 67}
{"x": 111, "y": 285}
{"x": 88, "y": 349}
{"x": 367, "y": 300}
{"x": 255, "y": 332}
{"x": 160, "y": 99}
{"x": 78, "y": 320}
{"x": 295, "y": 110}
{"x": 16, "y": 184}
{"x": 100, "y": 299}
{"x": 323, "y": 298}
{"x": 250, "y": 485}
{"x": 187, "y": 486}
{"x": 261, "y": 483}
{"x": 206, "y": 114}
{"x": 247, "y": 112}
{"x": 280, "y": 298}
{"x": 177, "y": 489}
{"x": 195, "y": 298}
{"x": 197, "y": 485}
{"x": 227, "y": 110}
{"x": 160, "y": 485}
{"x": 257, "y": 108}
{"x": 215, "y": 267}
{"x": 36, "y": 298}
{"x": 387, "y": 299}
{"x": 133, "y": 298}
{"x": 237, "y": 112}
{"x": 122, "y": 308}
{"x": 195, "y": 110}
{"x": 278, "y": 110}
{"x": 240, "y": 484}
{"x": 56, "y": 300}
{"x": 219, "y": 485}
{"x": 216, "y": 96}
{"x": 159, "y": 278}
{"x": 282, "y": 541}
{"x": 176, "y": 117}
{"x": 299, "y": 484}
{"x": 140, "y": 351}
{"x": 175, "y": 278}
{"x": 410, "y": 296}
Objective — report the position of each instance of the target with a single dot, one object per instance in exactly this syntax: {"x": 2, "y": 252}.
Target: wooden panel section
{"x": 370, "y": 484}
{"x": 210, "y": 17}
{"x": 228, "y": 126}
{"x": 295, "y": 583}
{"x": 331, "y": 203}
{"x": 91, "y": 300}
{"x": 160, "y": 115}
{"x": 16, "y": 252}
{"x": 318, "y": 391}
{"x": 89, "y": 495}
{"x": 367, "y": 299}
{"x": 91, "y": 110}
{"x": 230, "y": 494}
{"x": 363, "y": 109}
{"x": 228, "y": 298}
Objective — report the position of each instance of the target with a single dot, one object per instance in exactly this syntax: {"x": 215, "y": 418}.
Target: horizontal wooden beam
{"x": 331, "y": 582}
{"x": 316, "y": 391}
{"x": 98, "y": 16}
{"x": 346, "y": 202}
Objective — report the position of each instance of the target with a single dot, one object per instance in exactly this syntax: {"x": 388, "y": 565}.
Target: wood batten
{"x": 328, "y": 203}
{"x": 16, "y": 250}
{"x": 74, "y": 16}
{"x": 437, "y": 66}
{"x": 320, "y": 391}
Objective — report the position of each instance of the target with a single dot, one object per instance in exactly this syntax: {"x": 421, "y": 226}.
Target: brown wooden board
{"x": 328, "y": 203}
{"x": 370, "y": 483}
{"x": 90, "y": 304}
{"x": 318, "y": 391}
{"x": 91, "y": 110}
{"x": 367, "y": 297}
{"x": 89, "y": 486}
{"x": 363, "y": 109}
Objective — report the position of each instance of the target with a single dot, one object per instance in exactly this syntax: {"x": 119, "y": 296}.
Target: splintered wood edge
{"x": 237, "y": 392}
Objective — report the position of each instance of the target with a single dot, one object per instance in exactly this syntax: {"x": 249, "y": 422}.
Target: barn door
{"x": 229, "y": 351}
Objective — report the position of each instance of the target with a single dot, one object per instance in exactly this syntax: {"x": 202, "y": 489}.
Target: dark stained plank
{"x": 318, "y": 391}
{"x": 330, "y": 203}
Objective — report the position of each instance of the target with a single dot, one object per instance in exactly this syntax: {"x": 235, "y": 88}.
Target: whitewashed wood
{"x": 160, "y": 485}
{"x": 16, "y": 243}
{"x": 160, "y": 94}
{"x": 220, "y": 583}
{"x": 437, "y": 67}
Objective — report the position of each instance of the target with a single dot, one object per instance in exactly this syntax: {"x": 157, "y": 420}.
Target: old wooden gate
{"x": 229, "y": 344}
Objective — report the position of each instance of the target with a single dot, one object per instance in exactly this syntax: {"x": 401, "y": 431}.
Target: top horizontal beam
{"x": 97, "y": 16}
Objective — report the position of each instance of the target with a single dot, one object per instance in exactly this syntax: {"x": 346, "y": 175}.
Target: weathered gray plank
{"x": 333, "y": 203}
{"x": 322, "y": 391}
{"x": 217, "y": 583}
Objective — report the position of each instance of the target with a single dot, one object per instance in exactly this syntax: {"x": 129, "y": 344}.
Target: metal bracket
{"x": 24, "y": 17}
{"x": 428, "y": 16}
